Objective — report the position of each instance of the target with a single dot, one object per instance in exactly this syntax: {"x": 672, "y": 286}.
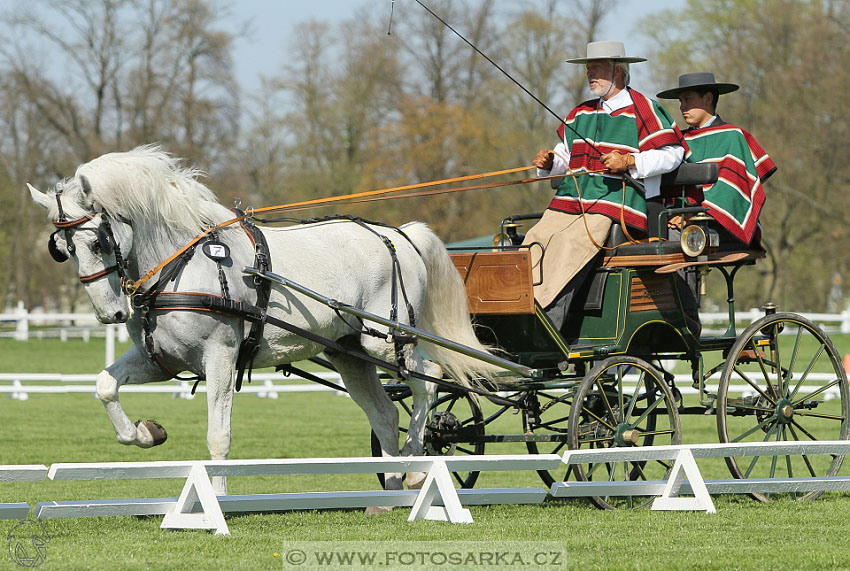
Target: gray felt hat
{"x": 699, "y": 80}
{"x": 606, "y": 50}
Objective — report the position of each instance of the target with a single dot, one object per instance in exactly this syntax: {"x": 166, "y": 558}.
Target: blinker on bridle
{"x": 105, "y": 239}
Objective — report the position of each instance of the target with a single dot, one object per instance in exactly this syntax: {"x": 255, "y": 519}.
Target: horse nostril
{"x": 120, "y": 317}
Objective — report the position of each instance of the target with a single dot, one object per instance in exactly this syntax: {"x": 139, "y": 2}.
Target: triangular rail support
{"x": 197, "y": 487}
{"x": 439, "y": 479}
{"x": 685, "y": 466}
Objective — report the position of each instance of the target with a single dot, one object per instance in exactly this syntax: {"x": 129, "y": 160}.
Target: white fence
{"x": 85, "y": 325}
{"x": 684, "y": 476}
{"x": 830, "y": 322}
{"x": 198, "y": 507}
{"x": 263, "y": 385}
{"x": 65, "y": 326}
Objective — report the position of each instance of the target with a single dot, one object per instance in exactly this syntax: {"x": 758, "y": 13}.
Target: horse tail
{"x": 446, "y": 311}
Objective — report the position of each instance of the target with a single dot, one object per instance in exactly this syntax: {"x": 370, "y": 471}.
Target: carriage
{"x": 606, "y": 379}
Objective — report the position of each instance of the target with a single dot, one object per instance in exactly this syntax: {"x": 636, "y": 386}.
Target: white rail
{"x": 21, "y": 385}
{"x": 684, "y": 476}
{"x": 436, "y": 500}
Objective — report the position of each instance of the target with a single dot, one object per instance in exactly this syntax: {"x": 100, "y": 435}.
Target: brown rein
{"x": 368, "y": 196}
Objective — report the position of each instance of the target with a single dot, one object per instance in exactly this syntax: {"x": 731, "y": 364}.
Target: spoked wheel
{"x": 787, "y": 383}
{"x": 623, "y": 402}
{"x": 546, "y": 416}
{"x": 455, "y": 426}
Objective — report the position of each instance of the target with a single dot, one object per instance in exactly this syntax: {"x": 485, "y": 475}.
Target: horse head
{"x": 97, "y": 243}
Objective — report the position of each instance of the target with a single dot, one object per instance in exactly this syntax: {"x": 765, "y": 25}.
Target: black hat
{"x": 693, "y": 81}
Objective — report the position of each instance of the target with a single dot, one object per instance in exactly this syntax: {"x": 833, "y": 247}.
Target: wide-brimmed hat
{"x": 606, "y": 50}
{"x": 699, "y": 80}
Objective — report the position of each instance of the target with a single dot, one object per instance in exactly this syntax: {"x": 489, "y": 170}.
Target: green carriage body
{"x": 602, "y": 381}
{"x": 629, "y": 317}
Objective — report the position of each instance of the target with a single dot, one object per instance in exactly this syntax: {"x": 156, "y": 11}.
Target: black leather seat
{"x": 672, "y": 185}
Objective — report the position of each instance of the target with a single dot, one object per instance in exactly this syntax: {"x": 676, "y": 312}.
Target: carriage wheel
{"x": 548, "y": 414}
{"x": 455, "y": 426}
{"x": 794, "y": 388}
{"x": 623, "y": 402}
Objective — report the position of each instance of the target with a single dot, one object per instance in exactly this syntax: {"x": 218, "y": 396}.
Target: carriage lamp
{"x": 511, "y": 231}
{"x": 697, "y": 238}
{"x": 509, "y": 235}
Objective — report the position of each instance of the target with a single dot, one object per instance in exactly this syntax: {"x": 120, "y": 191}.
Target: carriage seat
{"x": 673, "y": 185}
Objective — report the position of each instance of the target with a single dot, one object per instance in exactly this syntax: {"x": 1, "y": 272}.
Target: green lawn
{"x": 74, "y": 428}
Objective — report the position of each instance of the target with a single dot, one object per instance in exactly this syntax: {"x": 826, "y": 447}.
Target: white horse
{"x": 142, "y": 206}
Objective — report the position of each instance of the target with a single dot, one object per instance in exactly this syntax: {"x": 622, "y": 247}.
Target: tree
{"x": 786, "y": 55}
{"x": 79, "y": 78}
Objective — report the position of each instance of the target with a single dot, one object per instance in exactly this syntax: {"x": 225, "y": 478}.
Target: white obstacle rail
{"x": 199, "y": 508}
{"x": 21, "y": 317}
{"x": 21, "y": 473}
{"x": 21, "y": 385}
{"x": 685, "y": 477}
{"x": 263, "y": 385}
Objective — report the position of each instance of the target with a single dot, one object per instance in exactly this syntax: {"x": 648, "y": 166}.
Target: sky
{"x": 273, "y": 19}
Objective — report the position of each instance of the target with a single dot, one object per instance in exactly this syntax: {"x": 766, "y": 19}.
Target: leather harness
{"x": 153, "y": 299}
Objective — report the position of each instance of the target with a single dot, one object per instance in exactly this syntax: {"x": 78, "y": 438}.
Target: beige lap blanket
{"x": 567, "y": 247}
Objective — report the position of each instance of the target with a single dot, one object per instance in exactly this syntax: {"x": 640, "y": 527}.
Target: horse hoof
{"x": 415, "y": 480}
{"x": 375, "y": 510}
{"x": 155, "y": 429}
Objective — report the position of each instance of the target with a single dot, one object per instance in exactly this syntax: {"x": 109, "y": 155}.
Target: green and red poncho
{"x": 735, "y": 200}
{"x": 642, "y": 126}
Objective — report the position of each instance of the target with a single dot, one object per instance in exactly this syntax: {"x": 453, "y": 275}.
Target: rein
{"x": 131, "y": 288}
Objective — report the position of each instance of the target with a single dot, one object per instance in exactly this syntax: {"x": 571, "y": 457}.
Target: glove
{"x": 617, "y": 162}
{"x": 544, "y": 160}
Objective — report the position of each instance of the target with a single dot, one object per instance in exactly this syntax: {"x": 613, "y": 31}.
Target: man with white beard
{"x": 617, "y": 146}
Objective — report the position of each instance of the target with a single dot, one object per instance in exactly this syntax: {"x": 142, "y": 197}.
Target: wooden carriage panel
{"x": 651, "y": 292}
{"x": 497, "y": 283}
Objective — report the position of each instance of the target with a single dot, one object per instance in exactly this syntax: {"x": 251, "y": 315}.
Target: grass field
{"x": 74, "y": 428}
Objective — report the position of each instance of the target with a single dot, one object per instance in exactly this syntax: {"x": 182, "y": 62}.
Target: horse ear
{"x": 39, "y": 197}
{"x": 84, "y": 181}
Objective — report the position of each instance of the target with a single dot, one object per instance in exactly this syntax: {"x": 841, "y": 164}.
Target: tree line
{"x": 352, "y": 109}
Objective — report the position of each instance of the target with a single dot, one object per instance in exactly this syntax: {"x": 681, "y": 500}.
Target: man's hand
{"x": 617, "y": 162}
{"x": 544, "y": 160}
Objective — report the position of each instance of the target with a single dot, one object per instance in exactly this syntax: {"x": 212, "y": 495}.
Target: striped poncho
{"x": 735, "y": 200}
{"x": 644, "y": 125}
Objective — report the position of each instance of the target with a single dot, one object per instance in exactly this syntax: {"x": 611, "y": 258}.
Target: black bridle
{"x": 105, "y": 239}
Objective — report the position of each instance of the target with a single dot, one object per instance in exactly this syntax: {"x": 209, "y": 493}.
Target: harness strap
{"x": 149, "y": 300}
{"x": 399, "y": 339}
{"x": 236, "y": 308}
{"x": 194, "y": 301}
{"x": 288, "y": 368}
{"x": 65, "y": 224}
{"x": 250, "y": 346}
{"x": 97, "y": 275}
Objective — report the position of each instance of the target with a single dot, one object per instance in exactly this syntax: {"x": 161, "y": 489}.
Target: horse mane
{"x": 150, "y": 187}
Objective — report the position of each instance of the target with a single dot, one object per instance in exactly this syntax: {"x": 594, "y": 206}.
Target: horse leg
{"x": 144, "y": 434}
{"x": 220, "y": 384}
{"x": 364, "y": 387}
{"x": 424, "y": 394}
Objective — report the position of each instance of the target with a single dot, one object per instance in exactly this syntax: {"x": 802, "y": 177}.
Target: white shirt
{"x": 709, "y": 122}
{"x": 649, "y": 165}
